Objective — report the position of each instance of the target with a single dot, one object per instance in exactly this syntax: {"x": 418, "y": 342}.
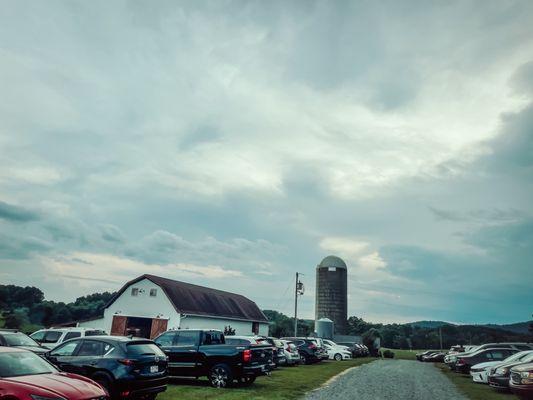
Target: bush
{"x": 387, "y": 354}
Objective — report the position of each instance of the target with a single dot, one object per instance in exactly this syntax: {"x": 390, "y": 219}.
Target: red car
{"x": 26, "y": 376}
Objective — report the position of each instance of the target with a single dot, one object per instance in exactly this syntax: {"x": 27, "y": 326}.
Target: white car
{"x": 338, "y": 353}
{"x": 480, "y": 372}
{"x": 291, "y": 352}
{"x": 53, "y": 337}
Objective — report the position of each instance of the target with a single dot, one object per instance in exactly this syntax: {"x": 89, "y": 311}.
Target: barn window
{"x": 153, "y": 292}
{"x": 332, "y": 269}
{"x": 134, "y": 291}
{"x": 255, "y": 328}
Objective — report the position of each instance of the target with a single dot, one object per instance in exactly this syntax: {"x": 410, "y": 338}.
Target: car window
{"x": 91, "y": 348}
{"x": 188, "y": 338}
{"x": 23, "y": 363}
{"x": 71, "y": 335}
{"x": 167, "y": 339}
{"x": 39, "y": 335}
{"x": 19, "y": 339}
{"x": 52, "y": 336}
{"x": 66, "y": 350}
{"x": 522, "y": 347}
{"x": 96, "y": 332}
{"x": 498, "y": 354}
{"x": 142, "y": 349}
{"x": 213, "y": 337}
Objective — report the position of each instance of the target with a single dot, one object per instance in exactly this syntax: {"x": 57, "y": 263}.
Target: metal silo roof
{"x": 332, "y": 261}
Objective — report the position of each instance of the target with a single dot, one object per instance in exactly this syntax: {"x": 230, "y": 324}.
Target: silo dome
{"x": 332, "y": 261}
{"x": 332, "y": 293}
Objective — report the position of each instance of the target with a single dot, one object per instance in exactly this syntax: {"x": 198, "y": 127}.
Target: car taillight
{"x": 127, "y": 362}
{"x": 312, "y": 346}
{"x": 460, "y": 361}
{"x": 246, "y": 355}
{"x": 288, "y": 349}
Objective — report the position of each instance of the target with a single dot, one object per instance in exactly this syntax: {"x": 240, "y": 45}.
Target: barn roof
{"x": 199, "y": 300}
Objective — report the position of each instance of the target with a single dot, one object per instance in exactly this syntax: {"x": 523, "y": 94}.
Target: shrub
{"x": 387, "y": 354}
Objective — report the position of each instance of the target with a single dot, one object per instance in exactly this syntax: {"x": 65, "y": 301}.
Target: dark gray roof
{"x": 332, "y": 261}
{"x": 199, "y": 300}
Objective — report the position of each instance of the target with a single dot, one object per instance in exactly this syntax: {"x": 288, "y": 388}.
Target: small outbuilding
{"x": 149, "y": 305}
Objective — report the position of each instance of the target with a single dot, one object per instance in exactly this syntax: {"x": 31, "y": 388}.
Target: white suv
{"x": 53, "y": 337}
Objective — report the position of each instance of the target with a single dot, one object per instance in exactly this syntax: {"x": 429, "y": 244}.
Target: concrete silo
{"x": 332, "y": 292}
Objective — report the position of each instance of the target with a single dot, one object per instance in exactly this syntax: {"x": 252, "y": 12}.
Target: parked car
{"x": 125, "y": 367}
{"x": 53, "y": 337}
{"x": 434, "y": 357}
{"x": 278, "y": 351}
{"x": 481, "y": 372}
{"x": 14, "y": 338}
{"x": 521, "y": 382}
{"x": 308, "y": 349}
{"x": 322, "y": 352}
{"x": 451, "y": 359}
{"x": 464, "y": 363}
{"x": 25, "y": 375}
{"x": 197, "y": 352}
{"x": 499, "y": 376}
{"x": 256, "y": 341}
{"x": 336, "y": 352}
{"x": 356, "y": 349}
{"x": 425, "y": 353}
{"x": 292, "y": 355}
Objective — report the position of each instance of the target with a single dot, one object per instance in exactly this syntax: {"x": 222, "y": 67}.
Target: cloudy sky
{"x": 231, "y": 144}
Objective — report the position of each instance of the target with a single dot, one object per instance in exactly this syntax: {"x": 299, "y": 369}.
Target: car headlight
{"x": 501, "y": 371}
{"x": 527, "y": 374}
{"x": 38, "y": 397}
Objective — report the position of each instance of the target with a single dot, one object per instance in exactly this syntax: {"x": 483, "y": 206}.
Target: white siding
{"x": 143, "y": 305}
{"x": 241, "y": 327}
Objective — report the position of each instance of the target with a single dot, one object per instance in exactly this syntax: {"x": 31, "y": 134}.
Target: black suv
{"x": 125, "y": 367}
{"x": 14, "y": 338}
{"x": 309, "y": 351}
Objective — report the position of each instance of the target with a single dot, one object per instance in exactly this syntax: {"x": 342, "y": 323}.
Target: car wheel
{"x": 105, "y": 381}
{"x": 220, "y": 376}
{"x": 305, "y": 359}
{"x": 246, "y": 380}
{"x": 337, "y": 357}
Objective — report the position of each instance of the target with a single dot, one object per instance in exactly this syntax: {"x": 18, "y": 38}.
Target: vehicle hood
{"x": 523, "y": 367}
{"x": 35, "y": 349}
{"x": 486, "y": 364}
{"x": 68, "y": 386}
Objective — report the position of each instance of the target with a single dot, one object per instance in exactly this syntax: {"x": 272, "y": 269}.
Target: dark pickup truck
{"x": 197, "y": 353}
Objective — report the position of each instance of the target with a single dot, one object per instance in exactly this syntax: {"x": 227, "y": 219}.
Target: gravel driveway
{"x": 390, "y": 380}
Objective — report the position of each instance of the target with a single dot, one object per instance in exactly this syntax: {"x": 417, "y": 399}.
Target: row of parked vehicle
{"x": 503, "y": 366}
{"x": 80, "y": 363}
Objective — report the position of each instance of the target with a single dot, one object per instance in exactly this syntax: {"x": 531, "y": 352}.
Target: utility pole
{"x": 298, "y": 290}
{"x": 440, "y": 336}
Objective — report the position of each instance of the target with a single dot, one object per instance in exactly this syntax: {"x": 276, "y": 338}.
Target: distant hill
{"x": 519, "y": 327}
{"x": 428, "y": 324}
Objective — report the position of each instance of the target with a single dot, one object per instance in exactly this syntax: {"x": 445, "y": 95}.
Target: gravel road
{"x": 390, "y": 380}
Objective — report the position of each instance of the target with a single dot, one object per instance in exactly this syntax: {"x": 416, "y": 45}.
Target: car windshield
{"x": 19, "y": 339}
{"x": 23, "y": 363}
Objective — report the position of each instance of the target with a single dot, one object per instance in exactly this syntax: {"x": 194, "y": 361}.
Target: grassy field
{"x": 474, "y": 391}
{"x": 285, "y": 383}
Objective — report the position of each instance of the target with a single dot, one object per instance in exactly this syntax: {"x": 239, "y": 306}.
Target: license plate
{"x": 154, "y": 368}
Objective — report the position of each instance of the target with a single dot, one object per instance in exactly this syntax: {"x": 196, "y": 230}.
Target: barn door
{"x": 118, "y": 326}
{"x": 158, "y": 326}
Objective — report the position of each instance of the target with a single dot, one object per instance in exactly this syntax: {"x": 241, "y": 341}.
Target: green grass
{"x": 284, "y": 384}
{"x": 472, "y": 390}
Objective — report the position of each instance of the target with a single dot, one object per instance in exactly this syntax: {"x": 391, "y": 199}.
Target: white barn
{"x": 149, "y": 305}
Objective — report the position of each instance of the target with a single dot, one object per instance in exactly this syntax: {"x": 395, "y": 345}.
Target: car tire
{"x": 220, "y": 376}
{"x": 337, "y": 357}
{"x": 305, "y": 360}
{"x": 104, "y": 380}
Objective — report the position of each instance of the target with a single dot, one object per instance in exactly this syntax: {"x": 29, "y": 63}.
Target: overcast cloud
{"x": 231, "y": 144}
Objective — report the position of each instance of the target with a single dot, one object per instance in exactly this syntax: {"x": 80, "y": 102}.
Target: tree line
{"x": 25, "y": 308}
